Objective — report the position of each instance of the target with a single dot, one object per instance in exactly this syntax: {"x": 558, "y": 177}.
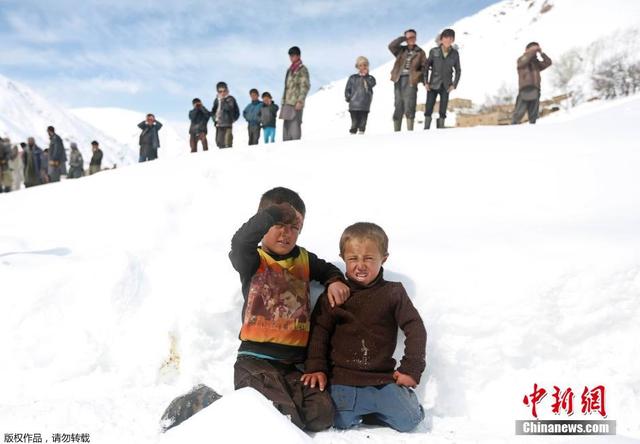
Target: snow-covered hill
{"x": 489, "y": 43}
{"x": 25, "y": 113}
{"x": 518, "y": 245}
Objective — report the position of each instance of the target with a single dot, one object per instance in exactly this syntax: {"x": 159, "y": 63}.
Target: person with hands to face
{"x": 225, "y": 111}
{"x": 273, "y": 269}
{"x": 529, "y": 66}
{"x": 351, "y": 346}
{"x": 149, "y": 140}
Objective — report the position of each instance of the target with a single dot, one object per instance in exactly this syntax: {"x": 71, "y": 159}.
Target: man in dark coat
{"x": 529, "y": 66}
{"x": 96, "y": 158}
{"x": 6, "y": 176}
{"x": 149, "y": 140}
{"x": 199, "y": 117}
{"x": 406, "y": 74}
{"x": 440, "y": 78}
{"x": 225, "y": 111}
{"x": 57, "y": 155}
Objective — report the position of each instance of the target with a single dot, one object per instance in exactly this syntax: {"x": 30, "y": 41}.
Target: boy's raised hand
{"x": 289, "y": 214}
{"x": 338, "y": 293}
{"x": 311, "y": 379}
{"x": 405, "y": 380}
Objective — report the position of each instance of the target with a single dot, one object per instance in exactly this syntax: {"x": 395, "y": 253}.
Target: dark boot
{"x": 410, "y": 124}
{"x": 188, "y": 405}
{"x": 427, "y": 122}
{"x": 397, "y": 125}
{"x": 440, "y": 123}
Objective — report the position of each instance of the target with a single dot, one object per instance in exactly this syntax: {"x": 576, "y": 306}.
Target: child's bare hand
{"x": 311, "y": 379}
{"x": 338, "y": 293}
{"x": 290, "y": 215}
{"x": 405, "y": 380}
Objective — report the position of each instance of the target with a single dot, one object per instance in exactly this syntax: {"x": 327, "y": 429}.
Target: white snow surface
{"x": 518, "y": 245}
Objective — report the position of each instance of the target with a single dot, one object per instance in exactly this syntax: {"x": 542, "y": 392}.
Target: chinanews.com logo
{"x": 592, "y": 403}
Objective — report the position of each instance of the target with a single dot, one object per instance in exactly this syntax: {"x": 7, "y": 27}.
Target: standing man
{"x": 6, "y": 176}
{"x": 225, "y": 111}
{"x": 443, "y": 60}
{"x": 296, "y": 87}
{"x": 251, "y": 114}
{"x": 406, "y": 74}
{"x": 57, "y": 155}
{"x": 33, "y": 166}
{"x": 199, "y": 117}
{"x": 529, "y": 66}
{"x": 17, "y": 166}
{"x": 96, "y": 158}
{"x": 149, "y": 140}
{"x": 76, "y": 162}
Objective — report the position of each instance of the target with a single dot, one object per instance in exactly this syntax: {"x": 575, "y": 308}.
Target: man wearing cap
{"x": 96, "y": 158}
{"x": 296, "y": 87}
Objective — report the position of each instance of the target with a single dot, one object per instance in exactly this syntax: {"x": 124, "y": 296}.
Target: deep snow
{"x": 518, "y": 245}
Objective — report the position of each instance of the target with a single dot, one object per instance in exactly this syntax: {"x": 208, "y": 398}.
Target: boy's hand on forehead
{"x": 338, "y": 293}
{"x": 290, "y": 215}
{"x": 404, "y": 380}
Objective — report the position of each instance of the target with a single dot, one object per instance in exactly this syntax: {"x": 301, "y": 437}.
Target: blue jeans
{"x": 269, "y": 134}
{"x": 390, "y": 404}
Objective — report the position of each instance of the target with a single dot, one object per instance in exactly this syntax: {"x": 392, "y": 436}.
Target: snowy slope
{"x": 121, "y": 124}
{"x": 519, "y": 246}
{"x": 27, "y": 114}
{"x": 489, "y": 43}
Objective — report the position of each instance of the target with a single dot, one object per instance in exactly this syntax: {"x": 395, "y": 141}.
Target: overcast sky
{"x": 155, "y": 56}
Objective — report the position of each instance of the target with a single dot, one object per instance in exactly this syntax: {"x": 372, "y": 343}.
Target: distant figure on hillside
{"x": 34, "y": 164}
{"x": 442, "y": 74}
{"x": 406, "y": 74}
{"x": 76, "y": 162}
{"x": 17, "y": 166}
{"x": 6, "y": 176}
{"x": 199, "y": 117}
{"x": 359, "y": 93}
{"x": 268, "y": 116}
{"x": 149, "y": 140}
{"x": 529, "y": 66}
{"x": 251, "y": 114}
{"x": 225, "y": 111}
{"x": 296, "y": 87}
{"x": 57, "y": 156}
{"x": 95, "y": 165}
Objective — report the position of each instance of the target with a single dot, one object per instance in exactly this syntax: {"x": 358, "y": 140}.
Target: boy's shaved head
{"x": 280, "y": 195}
{"x": 365, "y": 230}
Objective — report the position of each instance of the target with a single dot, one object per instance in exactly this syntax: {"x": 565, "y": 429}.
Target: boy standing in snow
{"x": 149, "y": 139}
{"x": 353, "y": 344}
{"x": 275, "y": 273}
{"x": 268, "y": 116}
{"x": 199, "y": 117}
{"x": 225, "y": 111}
{"x": 252, "y": 115}
{"x": 359, "y": 93}
{"x": 439, "y": 70}
{"x": 529, "y": 66}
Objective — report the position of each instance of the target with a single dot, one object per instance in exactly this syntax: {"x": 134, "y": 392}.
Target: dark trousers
{"x": 525, "y": 106}
{"x": 432, "y": 94}
{"x": 292, "y": 129}
{"x": 147, "y": 152}
{"x": 308, "y": 408}
{"x": 358, "y": 121}
{"x": 193, "y": 142}
{"x": 405, "y": 99}
{"x": 224, "y": 137}
{"x": 254, "y": 134}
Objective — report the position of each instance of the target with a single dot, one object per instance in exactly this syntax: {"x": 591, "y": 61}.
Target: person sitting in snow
{"x": 264, "y": 251}
{"x": 442, "y": 74}
{"x": 353, "y": 344}
{"x": 251, "y": 114}
{"x": 359, "y": 93}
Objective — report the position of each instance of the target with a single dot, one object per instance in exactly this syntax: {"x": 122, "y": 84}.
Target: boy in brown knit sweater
{"x": 353, "y": 344}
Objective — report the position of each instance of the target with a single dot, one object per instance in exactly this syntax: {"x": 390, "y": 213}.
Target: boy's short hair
{"x": 254, "y": 91}
{"x": 365, "y": 230}
{"x": 266, "y": 94}
{"x": 95, "y": 142}
{"x": 532, "y": 44}
{"x": 448, "y": 33}
{"x": 294, "y": 50}
{"x": 151, "y": 115}
{"x": 362, "y": 59}
{"x": 410, "y": 30}
{"x": 280, "y": 195}
{"x": 51, "y": 129}
{"x": 221, "y": 85}
{"x": 196, "y": 100}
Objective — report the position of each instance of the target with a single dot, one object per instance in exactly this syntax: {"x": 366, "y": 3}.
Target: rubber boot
{"x": 410, "y": 124}
{"x": 440, "y": 123}
{"x": 397, "y": 125}
{"x": 427, "y": 122}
